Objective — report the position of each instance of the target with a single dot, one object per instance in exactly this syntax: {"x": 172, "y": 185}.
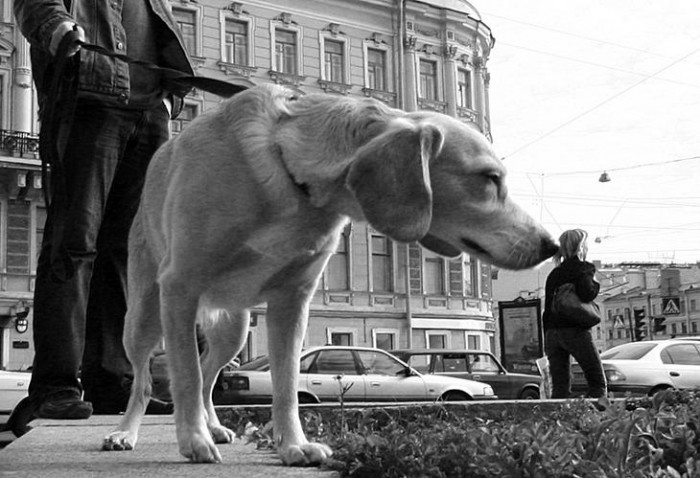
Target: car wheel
{"x": 453, "y": 396}
{"x": 306, "y": 398}
{"x": 657, "y": 389}
{"x": 529, "y": 394}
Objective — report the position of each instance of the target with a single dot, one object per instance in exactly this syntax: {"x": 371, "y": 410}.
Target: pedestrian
{"x": 122, "y": 115}
{"x": 563, "y": 339}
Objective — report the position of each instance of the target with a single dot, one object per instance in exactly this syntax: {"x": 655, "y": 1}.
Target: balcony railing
{"x": 19, "y": 144}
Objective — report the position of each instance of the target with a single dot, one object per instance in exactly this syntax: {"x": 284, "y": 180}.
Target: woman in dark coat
{"x": 563, "y": 340}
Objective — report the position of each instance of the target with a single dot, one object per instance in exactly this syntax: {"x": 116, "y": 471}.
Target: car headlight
{"x": 614, "y": 375}
{"x": 488, "y": 390}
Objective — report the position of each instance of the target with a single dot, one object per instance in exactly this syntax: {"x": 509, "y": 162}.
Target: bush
{"x": 578, "y": 438}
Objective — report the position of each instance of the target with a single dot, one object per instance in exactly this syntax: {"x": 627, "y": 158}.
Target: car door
{"x": 682, "y": 364}
{"x": 329, "y": 372}
{"x": 484, "y": 368}
{"x": 386, "y": 378}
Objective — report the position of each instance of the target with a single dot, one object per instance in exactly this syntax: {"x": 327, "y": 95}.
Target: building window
{"x": 18, "y": 223}
{"x": 341, "y": 338}
{"x": 334, "y": 61}
{"x": 376, "y": 69}
{"x": 693, "y": 305}
{"x": 236, "y": 42}
{"x": 188, "y": 113}
{"x": 286, "y": 51}
{"x": 434, "y": 276}
{"x": 384, "y": 339}
{"x": 337, "y": 272}
{"x": 428, "y": 80}
{"x": 473, "y": 342}
{"x": 187, "y": 21}
{"x": 437, "y": 340}
{"x": 464, "y": 88}
{"x": 381, "y": 264}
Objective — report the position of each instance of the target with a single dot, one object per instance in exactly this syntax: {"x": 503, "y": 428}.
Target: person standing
{"x": 122, "y": 115}
{"x": 564, "y": 340}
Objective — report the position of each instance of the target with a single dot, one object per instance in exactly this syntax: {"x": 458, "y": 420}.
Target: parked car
{"x": 14, "y": 386}
{"x": 473, "y": 365}
{"x": 646, "y": 367}
{"x": 367, "y": 375}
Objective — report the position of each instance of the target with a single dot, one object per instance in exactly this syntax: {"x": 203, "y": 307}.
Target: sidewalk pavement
{"x": 72, "y": 449}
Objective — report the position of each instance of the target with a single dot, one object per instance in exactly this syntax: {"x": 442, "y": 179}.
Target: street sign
{"x": 671, "y": 305}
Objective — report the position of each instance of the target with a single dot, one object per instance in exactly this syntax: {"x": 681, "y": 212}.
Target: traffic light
{"x": 659, "y": 325}
{"x": 640, "y": 329}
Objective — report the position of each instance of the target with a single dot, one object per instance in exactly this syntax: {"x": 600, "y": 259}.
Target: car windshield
{"x": 633, "y": 351}
{"x": 258, "y": 363}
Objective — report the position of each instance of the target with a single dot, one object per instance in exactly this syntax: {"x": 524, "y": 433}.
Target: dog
{"x": 246, "y": 206}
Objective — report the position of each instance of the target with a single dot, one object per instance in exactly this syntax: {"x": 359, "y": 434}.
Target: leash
{"x": 57, "y": 119}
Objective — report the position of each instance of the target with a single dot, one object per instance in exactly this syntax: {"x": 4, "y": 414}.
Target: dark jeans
{"x": 560, "y": 345}
{"x": 79, "y": 321}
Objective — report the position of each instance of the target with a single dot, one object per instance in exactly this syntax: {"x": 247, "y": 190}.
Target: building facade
{"x": 408, "y": 54}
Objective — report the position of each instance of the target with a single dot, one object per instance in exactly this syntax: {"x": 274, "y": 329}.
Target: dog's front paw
{"x": 222, "y": 434}
{"x": 200, "y": 448}
{"x": 306, "y": 455}
{"x": 119, "y": 440}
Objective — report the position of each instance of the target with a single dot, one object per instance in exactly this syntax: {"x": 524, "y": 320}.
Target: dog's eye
{"x": 494, "y": 178}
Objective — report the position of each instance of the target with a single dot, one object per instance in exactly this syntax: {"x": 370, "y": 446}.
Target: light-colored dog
{"x": 246, "y": 206}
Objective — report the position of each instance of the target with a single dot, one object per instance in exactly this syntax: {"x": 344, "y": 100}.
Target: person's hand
{"x": 61, "y": 31}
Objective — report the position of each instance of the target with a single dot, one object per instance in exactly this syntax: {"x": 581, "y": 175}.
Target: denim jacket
{"x": 101, "y": 78}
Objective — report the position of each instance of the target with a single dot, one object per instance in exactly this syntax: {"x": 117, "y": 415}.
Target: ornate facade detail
{"x": 235, "y": 7}
{"x": 334, "y": 87}
{"x": 451, "y": 52}
{"x": 410, "y": 42}
{"x": 334, "y": 28}
{"x": 432, "y": 105}
{"x": 385, "y": 97}
{"x": 285, "y": 18}
{"x": 467, "y": 114}
{"x": 237, "y": 70}
{"x": 286, "y": 78}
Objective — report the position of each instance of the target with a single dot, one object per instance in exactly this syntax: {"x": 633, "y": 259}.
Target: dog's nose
{"x": 548, "y": 247}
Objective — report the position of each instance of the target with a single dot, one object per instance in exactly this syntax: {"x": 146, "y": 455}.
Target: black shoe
{"x": 65, "y": 405}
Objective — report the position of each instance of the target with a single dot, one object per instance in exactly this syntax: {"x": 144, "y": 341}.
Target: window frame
{"x": 226, "y": 16}
{"x": 323, "y": 38}
{"x": 298, "y": 32}
{"x": 196, "y": 10}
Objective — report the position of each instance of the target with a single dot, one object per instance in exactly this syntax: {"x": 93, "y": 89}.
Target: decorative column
{"x": 410, "y": 92}
{"x": 451, "y": 80}
{"x": 22, "y": 99}
{"x": 480, "y": 101}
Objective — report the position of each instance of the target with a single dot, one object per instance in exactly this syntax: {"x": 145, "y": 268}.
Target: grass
{"x": 631, "y": 438}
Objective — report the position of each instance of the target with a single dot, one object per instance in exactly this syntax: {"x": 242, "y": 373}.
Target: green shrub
{"x": 578, "y": 438}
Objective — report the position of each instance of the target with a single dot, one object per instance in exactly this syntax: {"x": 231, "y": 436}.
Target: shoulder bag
{"x": 569, "y": 309}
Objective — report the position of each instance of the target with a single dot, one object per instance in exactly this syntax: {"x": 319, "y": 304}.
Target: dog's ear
{"x": 390, "y": 179}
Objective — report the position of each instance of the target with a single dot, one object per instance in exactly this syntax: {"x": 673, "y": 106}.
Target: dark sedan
{"x": 473, "y": 365}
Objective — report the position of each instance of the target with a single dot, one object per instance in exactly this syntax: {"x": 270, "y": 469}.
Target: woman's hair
{"x": 572, "y": 243}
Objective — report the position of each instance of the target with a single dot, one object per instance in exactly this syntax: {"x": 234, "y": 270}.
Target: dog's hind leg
{"x": 225, "y": 335}
{"x": 179, "y": 300}
{"x": 287, "y": 319}
{"x": 142, "y": 332}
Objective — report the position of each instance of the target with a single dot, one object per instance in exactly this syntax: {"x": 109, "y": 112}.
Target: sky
{"x": 579, "y": 88}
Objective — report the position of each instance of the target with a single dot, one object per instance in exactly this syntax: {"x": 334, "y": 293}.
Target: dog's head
{"x": 433, "y": 179}
{"x": 417, "y": 176}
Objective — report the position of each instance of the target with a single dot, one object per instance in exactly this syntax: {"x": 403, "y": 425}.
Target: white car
{"x": 361, "y": 374}
{"x": 648, "y": 366}
{"x": 14, "y": 386}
